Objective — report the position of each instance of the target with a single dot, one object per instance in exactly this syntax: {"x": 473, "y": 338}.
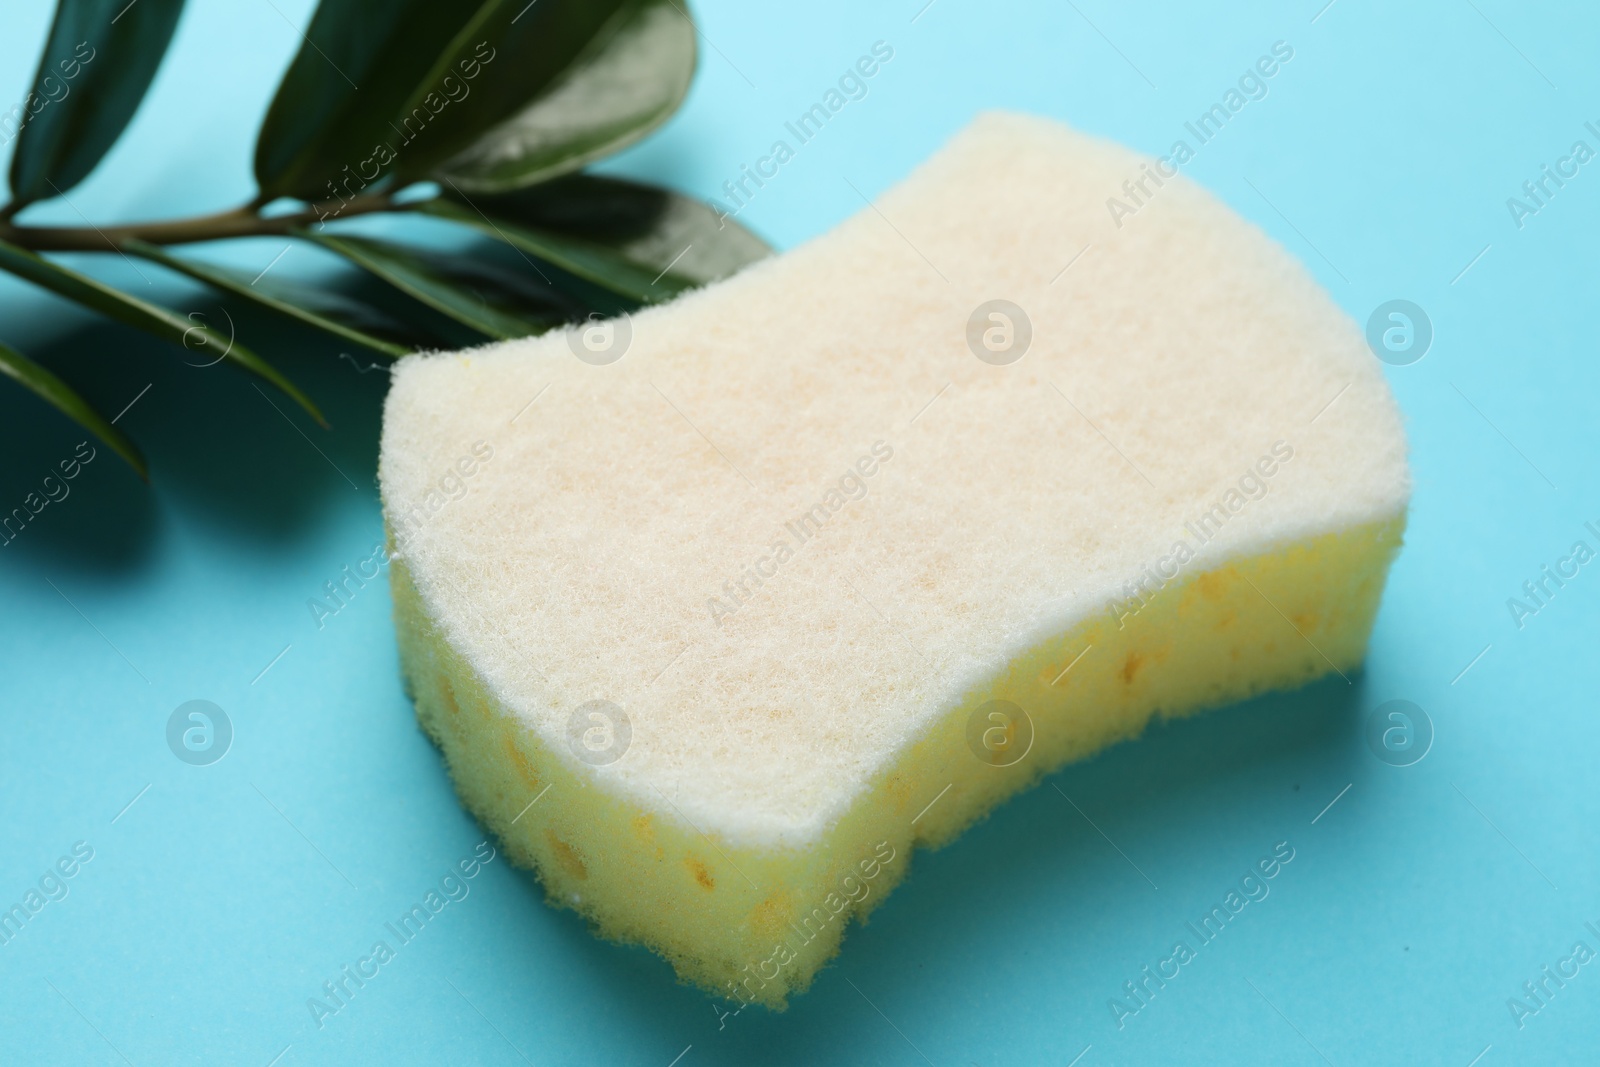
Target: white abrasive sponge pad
{"x": 718, "y": 621}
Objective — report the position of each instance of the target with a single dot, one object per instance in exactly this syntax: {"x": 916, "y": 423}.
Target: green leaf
{"x": 639, "y": 241}
{"x": 398, "y": 86}
{"x": 629, "y": 80}
{"x": 131, "y": 311}
{"x": 493, "y": 302}
{"x": 98, "y": 61}
{"x": 356, "y": 314}
{"x": 307, "y": 306}
{"x": 587, "y": 260}
{"x": 15, "y": 365}
{"x": 359, "y": 61}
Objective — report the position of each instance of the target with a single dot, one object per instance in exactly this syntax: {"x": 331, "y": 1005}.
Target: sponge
{"x": 719, "y": 610}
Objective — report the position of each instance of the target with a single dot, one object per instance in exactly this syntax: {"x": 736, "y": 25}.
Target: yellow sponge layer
{"x": 754, "y": 924}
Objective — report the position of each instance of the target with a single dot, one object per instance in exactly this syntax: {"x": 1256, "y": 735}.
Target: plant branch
{"x": 237, "y": 222}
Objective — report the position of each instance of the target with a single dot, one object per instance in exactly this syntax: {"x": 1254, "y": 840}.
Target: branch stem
{"x": 237, "y": 222}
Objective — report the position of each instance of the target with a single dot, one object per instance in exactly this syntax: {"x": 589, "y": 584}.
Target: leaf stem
{"x": 237, "y": 222}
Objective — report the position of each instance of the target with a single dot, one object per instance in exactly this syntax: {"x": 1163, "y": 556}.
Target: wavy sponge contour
{"x": 718, "y": 611}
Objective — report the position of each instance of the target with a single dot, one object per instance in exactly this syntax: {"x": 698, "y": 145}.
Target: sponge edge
{"x": 1015, "y": 540}
{"x": 754, "y": 925}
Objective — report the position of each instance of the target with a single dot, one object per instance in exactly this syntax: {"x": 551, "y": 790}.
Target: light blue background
{"x": 1414, "y": 907}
